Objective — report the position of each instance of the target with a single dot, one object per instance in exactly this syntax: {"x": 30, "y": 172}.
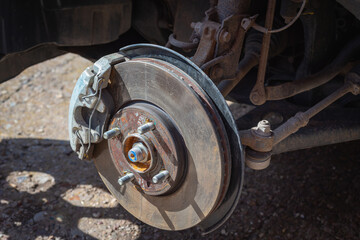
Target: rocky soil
{"x": 47, "y": 193}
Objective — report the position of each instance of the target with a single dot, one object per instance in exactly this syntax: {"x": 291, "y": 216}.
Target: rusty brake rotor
{"x": 170, "y": 162}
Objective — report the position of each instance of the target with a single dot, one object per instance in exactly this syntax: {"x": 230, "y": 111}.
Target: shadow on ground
{"x": 46, "y": 192}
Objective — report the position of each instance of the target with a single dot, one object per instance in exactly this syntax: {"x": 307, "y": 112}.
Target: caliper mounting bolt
{"x": 126, "y": 178}
{"x": 161, "y": 176}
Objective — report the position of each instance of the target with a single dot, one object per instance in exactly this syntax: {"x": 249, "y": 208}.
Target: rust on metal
{"x": 265, "y": 143}
{"x": 343, "y": 63}
{"x": 258, "y": 95}
{"x": 216, "y": 120}
{"x": 161, "y": 144}
{"x": 206, "y": 48}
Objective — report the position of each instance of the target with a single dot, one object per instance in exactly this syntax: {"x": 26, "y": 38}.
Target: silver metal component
{"x": 91, "y": 105}
{"x": 126, "y": 178}
{"x": 112, "y": 133}
{"x": 138, "y": 153}
{"x": 263, "y": 128}
{"x": 147, "y": 127}
{"x": 161, "y": 176}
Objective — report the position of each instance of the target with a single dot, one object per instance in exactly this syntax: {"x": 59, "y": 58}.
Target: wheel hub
{"x": 147, "y": 153}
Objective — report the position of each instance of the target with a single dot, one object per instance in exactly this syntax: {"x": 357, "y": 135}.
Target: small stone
{"x": 40, "y": 216}
{"x": 59, "y": 218}
{"x": 223, "y": 232}
{"x": 42, "y": 178}
{"x": 17, "y": 224}
{"x": 96, "y": 214}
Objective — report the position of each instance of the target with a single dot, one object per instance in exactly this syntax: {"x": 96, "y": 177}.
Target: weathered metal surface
{"x": 228, "y": 205}
{"x": 208, "y": 156}
{"x": 301, "y": 119}
{"x": 225, "y": 8}
{"x": 257, "y": 160}
{"x": 289, "y": 24}
{"x": 221, "y": 37}
{"x": 256, "y": 140}
{"x": 252, "y": 51}
{"x": 90, "y": 106}
{"x": 322, "y": 134}
{"x": 249, "y": 61}
{"x": 181, "y": 44}
{"x": 342, "y": 63}
{"x": 206, "y": 48}
{"x": 164, "y": 144}
{"x": 257, "y": 95}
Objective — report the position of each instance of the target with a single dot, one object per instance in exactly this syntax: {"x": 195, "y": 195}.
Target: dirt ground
{"x": 47, "y": 193}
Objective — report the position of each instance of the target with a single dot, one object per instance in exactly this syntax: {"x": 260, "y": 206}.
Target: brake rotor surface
{"x": 189, "y": 141}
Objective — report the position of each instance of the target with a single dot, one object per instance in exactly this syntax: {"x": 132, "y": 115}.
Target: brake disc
{"x": 174, "y": 158}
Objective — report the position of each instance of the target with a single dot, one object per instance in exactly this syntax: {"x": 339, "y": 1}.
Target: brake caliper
{"x": 91, "y": 106}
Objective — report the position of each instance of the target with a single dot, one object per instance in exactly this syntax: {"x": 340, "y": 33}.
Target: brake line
{"x": 265, "y": 30}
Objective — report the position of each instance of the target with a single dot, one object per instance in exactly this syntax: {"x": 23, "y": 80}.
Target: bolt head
{"x": 225, "y": 36}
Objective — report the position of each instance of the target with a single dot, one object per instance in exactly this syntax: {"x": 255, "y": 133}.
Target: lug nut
{"x": 146, "y": 127}
{"x": 138, "y": 153}
{"x": 160, "y": 176}
{"x": 126, "y": 178}
{"x": 112, "y": 133}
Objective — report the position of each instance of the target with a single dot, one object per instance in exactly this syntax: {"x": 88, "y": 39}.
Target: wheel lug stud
{"x": 126, "y": 178}
{"x": 161, "y": 176}
{"x": 112, "y": 133}
{"x": 146, "y": 127}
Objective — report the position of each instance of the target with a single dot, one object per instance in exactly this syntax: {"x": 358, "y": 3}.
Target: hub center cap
{"x": 149, "y": 146}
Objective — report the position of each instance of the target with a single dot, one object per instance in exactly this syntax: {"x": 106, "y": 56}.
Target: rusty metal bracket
{"x": 227, "y": 50}
{"x": 205, "y": 51}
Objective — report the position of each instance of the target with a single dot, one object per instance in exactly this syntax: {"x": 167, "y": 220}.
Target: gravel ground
{"x": 47, "y": 193}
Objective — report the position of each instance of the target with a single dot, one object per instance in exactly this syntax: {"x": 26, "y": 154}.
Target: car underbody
{"x": 152, "y": 111}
